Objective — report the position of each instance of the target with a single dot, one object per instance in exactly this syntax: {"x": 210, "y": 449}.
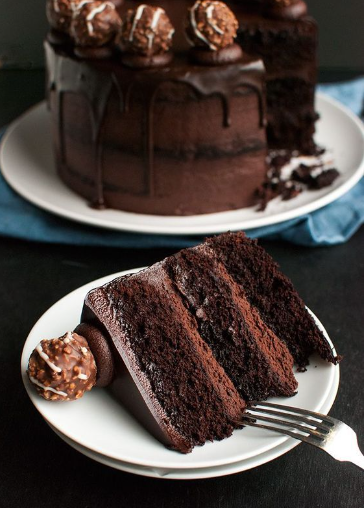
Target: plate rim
{"x": 174, "y": 474}
{"x": 182, "y": 230}
{"x": 102, "y": 280}
{"x": 198, "y": 473}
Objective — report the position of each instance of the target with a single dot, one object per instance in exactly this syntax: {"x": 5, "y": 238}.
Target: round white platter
{"x": 27, "y": 163}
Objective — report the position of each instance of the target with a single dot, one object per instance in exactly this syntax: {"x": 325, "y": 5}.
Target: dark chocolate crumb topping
{"x": 303, "y": 177}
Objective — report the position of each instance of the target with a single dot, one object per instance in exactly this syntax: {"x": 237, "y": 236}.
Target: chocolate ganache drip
{"x": 98, "y": 79}
{"x": 66, "y": 75}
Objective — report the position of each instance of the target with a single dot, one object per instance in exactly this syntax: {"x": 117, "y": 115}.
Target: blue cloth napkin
{"x": 333, "y": 224}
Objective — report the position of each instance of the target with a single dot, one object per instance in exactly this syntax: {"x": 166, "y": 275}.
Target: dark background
{"x": 23, "y": 25}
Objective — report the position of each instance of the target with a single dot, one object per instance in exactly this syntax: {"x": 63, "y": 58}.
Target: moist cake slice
{"x": 186, "y": 390}
{"x": 186, "y": 343}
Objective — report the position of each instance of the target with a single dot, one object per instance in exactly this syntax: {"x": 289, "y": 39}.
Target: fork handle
{"x": 358, "y": 460}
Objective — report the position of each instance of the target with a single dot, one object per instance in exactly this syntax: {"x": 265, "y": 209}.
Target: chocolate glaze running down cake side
{"x": 185, "y": 141}
{"x": 186, "y": 344}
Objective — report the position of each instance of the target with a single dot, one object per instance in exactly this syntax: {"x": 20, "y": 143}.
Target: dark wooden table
{"x": 37, "y": 469}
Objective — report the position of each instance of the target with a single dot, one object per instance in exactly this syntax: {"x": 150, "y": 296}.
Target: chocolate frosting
{"x": 146, "y": 61}
{"x": 99, "y": 346}
{"x": 229, "y": 54}
{"x": 285, "y": 9}
{"x": 95, "y": 81}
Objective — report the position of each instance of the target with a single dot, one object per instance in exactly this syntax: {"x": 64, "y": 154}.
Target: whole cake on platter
{"x": 188, "y": 343}
{"x": 161, "y": 108}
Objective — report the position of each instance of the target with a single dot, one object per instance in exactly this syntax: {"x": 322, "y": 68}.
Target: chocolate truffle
{"x": 284, "y": 9}
{"x": 146, "y": 31}
{"x": 211, "y": 25}
{"x": 95, "y": 24}
{"x": 63, "y": 368}
{"x": 59, "y": 14}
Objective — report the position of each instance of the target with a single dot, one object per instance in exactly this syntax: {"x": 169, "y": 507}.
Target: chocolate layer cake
{"x": 201, "y": 334}
{"x": 145, "y": 126}
{"x": 286, "y": 38}
{"x": 186, "y": 344}
{"x": 184, "y": 387}
{"x": 179, "y": 133}
{"x": 184, "y": 141}
{"x": 257, "y": 362}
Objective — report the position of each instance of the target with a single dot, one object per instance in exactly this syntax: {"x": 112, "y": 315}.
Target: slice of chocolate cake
{"x": 270, "y": 292}
{"x": 186, "y": 390}
{"x": 203, "y": 332}
{"x": 186, "y": 343}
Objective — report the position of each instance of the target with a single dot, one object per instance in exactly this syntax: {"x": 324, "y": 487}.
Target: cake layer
{"x": 195, "y": 119}
{"x": 272, "y": 294}
{"x": 285, "y": 44}
{"x": 184, "y": 140}
{"x": 186, "y": 390}
{"x": 177, "y": 191}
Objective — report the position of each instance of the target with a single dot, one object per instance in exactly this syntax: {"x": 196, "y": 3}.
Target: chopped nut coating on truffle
{"x": 95, "y": 24}
{"x": 63, "y": 368}
{"x": 60, "y": 12}
{"x": 146, "y": 31}
{"x": 211, "y": 24}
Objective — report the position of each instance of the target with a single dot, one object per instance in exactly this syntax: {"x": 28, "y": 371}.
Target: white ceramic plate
{"x": 200, "y": 473}
{"x": 27, "y": 164}
{"x": 100, "y": 424}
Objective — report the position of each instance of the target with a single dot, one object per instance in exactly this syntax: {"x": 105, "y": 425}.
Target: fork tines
{"x": 295, "y": 422}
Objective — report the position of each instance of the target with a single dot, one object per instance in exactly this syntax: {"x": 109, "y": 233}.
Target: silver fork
{"x": 331, "y": 435}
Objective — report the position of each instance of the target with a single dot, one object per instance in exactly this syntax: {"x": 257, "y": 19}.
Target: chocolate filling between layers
{"x": 273, "y": 294}
{"x": 257, "y": 362}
